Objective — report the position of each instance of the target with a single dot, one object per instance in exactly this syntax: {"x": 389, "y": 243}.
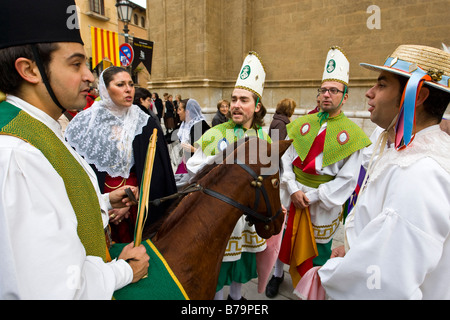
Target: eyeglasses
{"x": 332, "y": 91}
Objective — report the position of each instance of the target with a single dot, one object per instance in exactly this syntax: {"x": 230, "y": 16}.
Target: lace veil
{"x": 193, "y": 115}
{"x": 103, "y": 134}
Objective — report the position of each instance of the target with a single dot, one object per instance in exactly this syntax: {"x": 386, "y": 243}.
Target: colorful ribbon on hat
{"x": 407, "y": 117}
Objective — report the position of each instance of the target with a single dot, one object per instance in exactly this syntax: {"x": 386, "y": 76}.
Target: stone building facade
{"x": 103, "y": 14}
{"x": 200, "y": 45}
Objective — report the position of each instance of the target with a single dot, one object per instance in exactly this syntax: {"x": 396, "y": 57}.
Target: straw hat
{"x": 252, "y": 75}
{"x": 410, "y": 59}
{"x": 420, "y": 64}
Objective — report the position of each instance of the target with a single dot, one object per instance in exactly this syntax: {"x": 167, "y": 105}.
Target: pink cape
{"x": 266, "y": 259}
{"x": 310, "y": 286}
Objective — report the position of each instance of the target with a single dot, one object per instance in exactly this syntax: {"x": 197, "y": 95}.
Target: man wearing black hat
{"x": 52, "y": 215}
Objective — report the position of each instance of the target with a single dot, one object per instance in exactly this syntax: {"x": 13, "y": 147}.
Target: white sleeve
{"x": 395, "y": 250}
{"x": 389, "y": 260}
{"x": 44, "y": 256}
{"x": 198, "y": 161}
{"x": 337, "y": 191}
{"x": 288, "y": 181}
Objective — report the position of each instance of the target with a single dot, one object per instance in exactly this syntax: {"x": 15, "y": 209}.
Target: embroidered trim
{"x": 343, "y": 137}
{"x": 305, "y": 129}
{"x": 326, "y": 232}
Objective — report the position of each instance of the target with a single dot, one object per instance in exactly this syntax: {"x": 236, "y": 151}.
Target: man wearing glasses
{"x": 320, "y": 172}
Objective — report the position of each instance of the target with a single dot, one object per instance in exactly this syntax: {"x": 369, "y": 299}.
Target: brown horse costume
{"x": 194, "y": 235}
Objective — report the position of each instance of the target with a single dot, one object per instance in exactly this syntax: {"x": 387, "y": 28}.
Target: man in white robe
{"x": 311, "y": 180}
{"x": 42, "y": 256}
{"x": 398, "y": 233}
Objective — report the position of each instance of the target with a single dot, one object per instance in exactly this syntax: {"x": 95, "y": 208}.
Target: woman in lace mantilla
{"x": 113, "y": 137}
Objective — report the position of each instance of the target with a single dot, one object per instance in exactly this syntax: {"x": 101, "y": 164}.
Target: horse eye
{"x": 275, "y": 183}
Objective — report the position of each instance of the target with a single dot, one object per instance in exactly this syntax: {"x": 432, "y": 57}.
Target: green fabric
{"x": 333, "y": 150}
{"x": 241, "y": 271}
{"x": 79, "y": 188}
{"x": 311, "y": 180}
{"x": 323, "y": 117}
{"x": 161, "y": 283}
{"x": 324, "y": 250}
{"x": 210, "y": 140}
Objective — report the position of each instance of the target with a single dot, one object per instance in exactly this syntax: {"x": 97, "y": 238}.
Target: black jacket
{"x": 163, "y": 181}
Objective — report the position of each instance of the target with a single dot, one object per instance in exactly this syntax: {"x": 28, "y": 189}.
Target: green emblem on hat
{"x": 245, "y": 73}
{"x": 331, "y": 65}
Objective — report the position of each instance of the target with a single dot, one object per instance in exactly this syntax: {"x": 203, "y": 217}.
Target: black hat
{"x": 38, "y": 21}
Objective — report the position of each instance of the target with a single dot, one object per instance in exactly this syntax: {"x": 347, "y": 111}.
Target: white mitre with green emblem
{"x": 337, "y": 67}
{"x": 252, "y": 75}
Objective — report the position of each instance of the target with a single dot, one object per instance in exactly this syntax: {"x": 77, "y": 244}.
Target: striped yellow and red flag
{"x": 105, "y": 45}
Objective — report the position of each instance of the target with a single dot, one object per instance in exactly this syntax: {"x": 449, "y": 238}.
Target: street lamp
{"x": 124, "y": 10}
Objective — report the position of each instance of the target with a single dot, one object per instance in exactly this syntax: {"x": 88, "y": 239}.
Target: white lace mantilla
{"x": 106, "y": 140}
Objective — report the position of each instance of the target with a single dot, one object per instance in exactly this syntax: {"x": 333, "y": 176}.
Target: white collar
{"x": 36, "y": 113}
{"x": 430, "y": 142}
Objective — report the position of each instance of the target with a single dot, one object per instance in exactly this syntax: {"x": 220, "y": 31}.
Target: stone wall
{"x": 200, "y": 44}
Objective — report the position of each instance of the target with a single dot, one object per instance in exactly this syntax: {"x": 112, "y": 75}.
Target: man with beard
{"x": 320, "y": 172}
{"x": 247, "y": 115}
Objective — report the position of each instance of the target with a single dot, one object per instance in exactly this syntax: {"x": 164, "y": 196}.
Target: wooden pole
{"x": 145, "y": 188}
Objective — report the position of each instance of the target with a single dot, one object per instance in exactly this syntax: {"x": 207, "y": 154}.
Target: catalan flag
{"x": 105, "y": 46}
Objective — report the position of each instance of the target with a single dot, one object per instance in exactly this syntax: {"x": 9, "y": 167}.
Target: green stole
{"x": 227, "y": 133}
{"x": 79, "y": 188}
{"x": 343, "y": 137}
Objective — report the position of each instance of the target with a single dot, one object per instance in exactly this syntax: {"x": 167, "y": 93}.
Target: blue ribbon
{"x": 405, "y": 66}
{"x": 408, "y": 108}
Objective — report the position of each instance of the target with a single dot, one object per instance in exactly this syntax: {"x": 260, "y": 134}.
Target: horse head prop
{"x": 257, "y": 162}
{"x": 243, "y": 179}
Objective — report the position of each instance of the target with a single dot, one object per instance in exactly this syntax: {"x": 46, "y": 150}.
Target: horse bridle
{"x": 259, "y": 189}
{"x": 257, "y": 183}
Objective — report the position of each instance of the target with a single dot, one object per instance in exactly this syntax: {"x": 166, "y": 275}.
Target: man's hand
{"x": 137, "y": 258}
{"x": 300, "y": 200}
{"x": 187, "y": 147}
{"x": 117, "y": 215}
{"x": 119, "y": 199}
{"x": 338, "y": 252}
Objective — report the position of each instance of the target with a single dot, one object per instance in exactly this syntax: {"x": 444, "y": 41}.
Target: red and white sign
{"x": 126, "y": 54}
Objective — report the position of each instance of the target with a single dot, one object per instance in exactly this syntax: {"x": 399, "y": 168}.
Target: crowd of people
{"x": 70, "y": 152}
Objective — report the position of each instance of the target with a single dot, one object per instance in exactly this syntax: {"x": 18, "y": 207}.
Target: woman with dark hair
{"x": 113, "y": 137}
{"x": 143, "y": 99}
{"x": 284, "y": 111}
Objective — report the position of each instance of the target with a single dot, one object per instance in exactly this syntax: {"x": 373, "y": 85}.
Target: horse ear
{"x": 283, "y": 145}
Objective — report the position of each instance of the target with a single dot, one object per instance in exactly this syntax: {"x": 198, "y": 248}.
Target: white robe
{"x": 398, "y": 233}
{"x": 325, "y": 201}
{"x": 41, "y": 254}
